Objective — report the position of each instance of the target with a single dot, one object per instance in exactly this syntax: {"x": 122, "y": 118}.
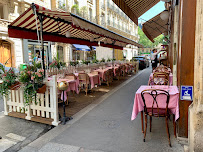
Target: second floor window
{"x": 1, "y": 11}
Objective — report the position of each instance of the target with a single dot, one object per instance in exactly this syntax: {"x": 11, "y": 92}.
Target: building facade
{"x": 106, "y": 14}
{"x": 102, "y": 12}
{"x": 16, "y": 51}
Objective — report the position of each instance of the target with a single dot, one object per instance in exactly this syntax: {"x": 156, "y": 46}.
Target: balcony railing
{"x": 4, "y": 23}
{"x": 62, "y": 5}
{"x": 108, "y": 22}
{"x": 103, "y": 23}
{"x": 90, "y": 1}
{"x": 102, "y": 6}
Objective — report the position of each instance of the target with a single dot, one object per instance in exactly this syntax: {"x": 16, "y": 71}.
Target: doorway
{"x": 5, "y": 53}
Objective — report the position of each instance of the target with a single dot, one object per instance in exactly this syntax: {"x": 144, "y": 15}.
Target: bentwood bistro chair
{"x": 84, "y": 81}
{"x": 153, "y": 99}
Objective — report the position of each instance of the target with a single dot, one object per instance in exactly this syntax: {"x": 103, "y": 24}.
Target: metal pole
{"x": 64, "y": 111}
{"x": 42, "y": 41}
{"x": 113, "y": 57}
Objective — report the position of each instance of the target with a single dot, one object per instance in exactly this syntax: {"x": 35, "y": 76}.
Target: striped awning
{"x": 56, "y": 24}
{"x": 154, "y": 27}
{"x": 135, "y": 8}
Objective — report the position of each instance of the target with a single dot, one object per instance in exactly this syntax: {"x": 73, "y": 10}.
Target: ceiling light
{"x": 164, "y": 15}
{"x": 91, "y": 39}
{"x": 68, "y": 34}
{"x": 105, "y": 41}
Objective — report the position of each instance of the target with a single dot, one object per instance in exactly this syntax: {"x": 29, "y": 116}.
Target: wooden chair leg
{"x": 142, "y": 121}
{"x": 86, "y": 89}
{"x": 145, "y": 131}
{"x": 150, "y": 123}
{"x": 174, "y": 126}
{"x": 167, "y": 130}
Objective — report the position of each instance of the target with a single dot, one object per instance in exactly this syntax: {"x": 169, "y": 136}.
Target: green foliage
{"x": 102, "y": 60}
{"x": 9, "y": 78}
{"x": 108, "y": 60}
{"x": 95, "y": 61}
{"x": 83, "y": 11}
{"x": 147, "y": 43}
{"x": 74, "y": 63}
{"x": 57, "y": 63}
{"x": 75, "y": 9}
{"x": 32, "y": 79}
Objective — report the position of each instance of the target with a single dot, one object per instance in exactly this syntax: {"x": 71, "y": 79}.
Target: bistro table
{"x": 72, "y": 86}
{"x": 173, "y": 101}
{"x": 103, "y": 71}
{"x": 169, "y": 70}
{"x": 94, "y": 79}
{"x": 170, "y": 79}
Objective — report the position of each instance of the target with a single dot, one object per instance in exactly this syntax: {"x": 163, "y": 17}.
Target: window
{"x": 90, "y": 14}
{"x": 1, "y": 11}
{"x": 113, "y": 21}
{"x": 60, "y": 53}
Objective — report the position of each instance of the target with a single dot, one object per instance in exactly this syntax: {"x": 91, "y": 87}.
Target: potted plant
{"x": 108, "y": 60}
{"x": 8, "y": 82}
{"x": 32, "y": 80}
{"x": 102, "y": 60}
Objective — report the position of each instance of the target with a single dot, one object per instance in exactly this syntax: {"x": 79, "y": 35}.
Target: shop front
{"x": 32, "y": 51}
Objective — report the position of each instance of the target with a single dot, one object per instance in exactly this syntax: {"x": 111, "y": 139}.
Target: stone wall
{"x": 196, "y": 109}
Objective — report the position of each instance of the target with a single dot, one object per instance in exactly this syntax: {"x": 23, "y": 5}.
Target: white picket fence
{"x": 46, "y": 106}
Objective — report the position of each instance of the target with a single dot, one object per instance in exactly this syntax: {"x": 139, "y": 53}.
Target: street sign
{"x": 186, "y": 93}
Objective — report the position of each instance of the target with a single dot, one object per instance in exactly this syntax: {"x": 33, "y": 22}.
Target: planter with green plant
{"x": 8, "y": 82}
{"x": 32, "y": 80}
{"x": 108, "y": 60}
{"x": 102, "y": 60}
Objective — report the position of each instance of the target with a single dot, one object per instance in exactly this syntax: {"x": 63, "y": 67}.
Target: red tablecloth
{"x": 173, "y": 101}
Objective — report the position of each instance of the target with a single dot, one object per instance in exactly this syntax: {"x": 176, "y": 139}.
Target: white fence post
{"x": 5, "y": 105}
{"x": 55, "y": 100}
{"x": 28, "y": 112}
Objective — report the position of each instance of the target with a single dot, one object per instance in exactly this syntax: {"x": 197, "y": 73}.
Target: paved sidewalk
{"x": 105, "y": 126}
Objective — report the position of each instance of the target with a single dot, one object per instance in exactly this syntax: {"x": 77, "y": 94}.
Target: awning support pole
{"x": 113, "y": 53}
{"x": 41, "y": 34}
{"x": 42, "y": 42}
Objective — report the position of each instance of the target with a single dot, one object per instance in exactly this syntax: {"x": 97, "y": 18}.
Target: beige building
{"x": 16, "y": 51}
{"x": 102, "y": 12}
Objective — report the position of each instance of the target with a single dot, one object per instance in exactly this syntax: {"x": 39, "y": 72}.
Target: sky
{"x": 158, "y": 8}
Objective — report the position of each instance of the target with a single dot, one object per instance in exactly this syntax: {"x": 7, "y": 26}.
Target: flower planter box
{"x": 42, "y": 89}
{"x": 15, "y": 86}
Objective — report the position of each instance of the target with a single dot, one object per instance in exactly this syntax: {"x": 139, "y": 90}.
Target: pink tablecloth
{"x": 102, "y": 71}
{"x": 173, "y": 101}
{"x": 94, "y": 79}
{"x": 73, "y": 86}
{"x": 170, "y": 78}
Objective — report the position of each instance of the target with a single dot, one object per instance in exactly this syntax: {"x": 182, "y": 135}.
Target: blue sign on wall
{"x": 186, "y": 93}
